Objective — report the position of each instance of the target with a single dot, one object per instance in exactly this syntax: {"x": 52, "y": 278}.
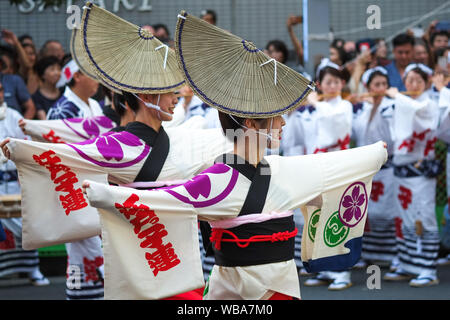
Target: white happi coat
{"x": 150, "y": 237}
{"x": 116, "y": 157}
{"x": 325, "y": 127}
{"x": 415, "y": 128}
{"x": 367, "y": 131}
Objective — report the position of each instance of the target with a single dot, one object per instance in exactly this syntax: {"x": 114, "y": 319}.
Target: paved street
{"x": 21, "y": 289}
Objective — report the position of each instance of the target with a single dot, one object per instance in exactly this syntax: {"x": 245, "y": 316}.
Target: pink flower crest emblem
{"x": 108, "y": 144}
{"x": 353, "y": 204}
{"x": 92, "y": 126}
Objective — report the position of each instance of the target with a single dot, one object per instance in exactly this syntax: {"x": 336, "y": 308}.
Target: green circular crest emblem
{"x": 335, "y": 232}
{"x": 312, "y": 224}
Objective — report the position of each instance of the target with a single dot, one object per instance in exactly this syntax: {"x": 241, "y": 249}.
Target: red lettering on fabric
{"x": 410, "y": 143}
{"x": 405, "y": 197}
{"x": 430, "y": 146}
{"x": 147, "y": 227}
{"x": 91, "y": 269}
{"x": 341, "y": 144}
{"x": 377, "y": 190}
{"x": 52, "y": 137}
{"x": 74, "y": 199}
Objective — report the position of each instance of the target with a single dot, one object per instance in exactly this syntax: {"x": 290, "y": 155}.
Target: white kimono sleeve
{"x": 54, "y": 209}
{"x": 150, "y": 243}
{"x": 67, "y": 130}
{"x": 332, "y": 233}
{"x": 150, "y": 238}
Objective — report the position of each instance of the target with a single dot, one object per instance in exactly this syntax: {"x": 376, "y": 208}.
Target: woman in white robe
{"x": 372, "y": 122}
{"x": 416, "y": 123}
{"x": 319, "y": 127}
{"x": 246, "y": 198}
{"x": 143, "y": 153}
{"x": 13, "y": 258}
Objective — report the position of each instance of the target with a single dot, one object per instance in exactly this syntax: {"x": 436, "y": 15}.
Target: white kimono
{"x": 117, "y": 157}
{"x": 322, "y": 128}
{"x": 316, "y": 129}
{"x": 416, "y": 124}
{"x": 13, "y": 258}
{"x": 150, "y": 237}
{"x": 379, "y": 241}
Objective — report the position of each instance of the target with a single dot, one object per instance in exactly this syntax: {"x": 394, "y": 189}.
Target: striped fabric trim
{"x": 86, "y": 292}
{"x": 14, "y": 261}
{"x": 413, "y": 261}
{"x": 207, "y": 262}
{"x": 297, "y": 250}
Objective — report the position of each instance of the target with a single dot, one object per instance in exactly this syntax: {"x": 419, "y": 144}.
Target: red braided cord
{"x": 216, "y": 236}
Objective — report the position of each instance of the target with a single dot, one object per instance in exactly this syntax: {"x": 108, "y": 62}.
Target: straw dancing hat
{"x": 126, "y": 56}
{"x": 78, "y": 56}
{"x": 232, "y": 75}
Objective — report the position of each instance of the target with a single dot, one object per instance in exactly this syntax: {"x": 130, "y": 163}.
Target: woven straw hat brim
{"x": 126, "y": 56}
{"x": 231, "y": 74}
{"x": 79, "y": 57}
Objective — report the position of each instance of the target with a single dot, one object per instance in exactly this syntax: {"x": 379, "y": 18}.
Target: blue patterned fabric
{"x": 63, "y": 109}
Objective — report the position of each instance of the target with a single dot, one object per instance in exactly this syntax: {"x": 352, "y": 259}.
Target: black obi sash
{"x": 159, "y": 141}
{"x": 271, "y": 250}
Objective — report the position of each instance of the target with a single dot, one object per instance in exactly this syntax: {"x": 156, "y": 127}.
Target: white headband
{"x": 67, "y": 73}
{"x": 366, "y": 75}
{"x": 421, "y": 66}
{"x": 325, "y": 62}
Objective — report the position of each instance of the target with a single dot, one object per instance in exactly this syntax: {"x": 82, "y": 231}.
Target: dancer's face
{"x": 415, "y": 83}
{"x": 167, "y": 102}
{"x": 331, "y": 85}
{"x": 378, "y": 85}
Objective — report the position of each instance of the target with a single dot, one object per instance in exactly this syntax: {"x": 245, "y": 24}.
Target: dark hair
{"x": 421, "y": 42}
{"x": 43, "y": 63}
{"x": 227, "y": 123}
{"x": 438, "y": 33}
{"x": 24, "y": 37}
{"x": 376, "y": 74}
{"x": 211, "y": 12}
{"x": 341, "y": 53}
{"x": 419, "y": 71}
{"x": 71, "y": 83}
{"x": 159, "y": 26}
{"x": 438, "y": 53}
{"x": 11, "y": 53}
{"x": 279, "y": 46}
{"x": 2, "y": 64}
{"x": 125, "y": 97}
{"x": 26, "y": 45}
{"x": 65, "y": 60}
{"x": 338, "y": 43}
{"x": 331, "y": 71}
{"x": 402, "y": 39}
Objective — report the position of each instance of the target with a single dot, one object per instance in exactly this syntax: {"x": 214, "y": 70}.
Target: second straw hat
{"x": 125, "y": 56}
{"x": 76, "y": 49}
{"x": 232, "y": 75}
